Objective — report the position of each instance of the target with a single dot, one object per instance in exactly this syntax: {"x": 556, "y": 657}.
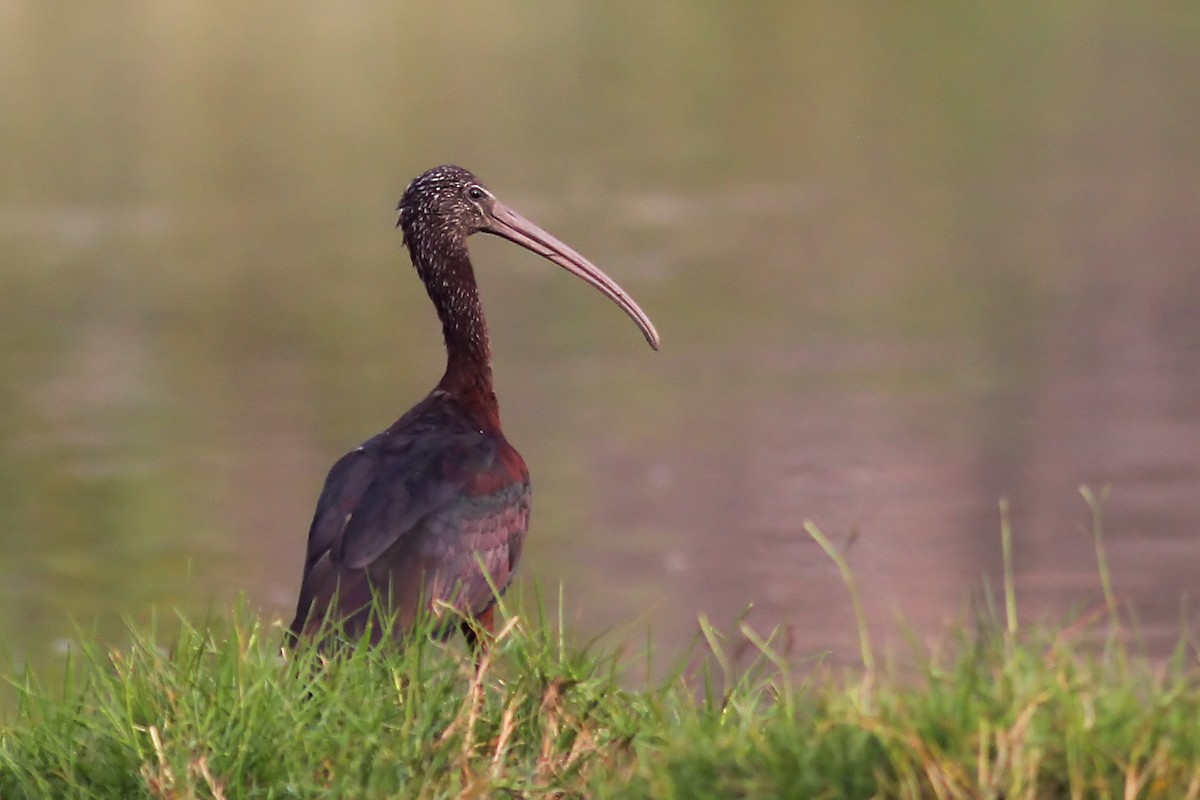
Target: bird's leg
{"x": 478, "y": 632}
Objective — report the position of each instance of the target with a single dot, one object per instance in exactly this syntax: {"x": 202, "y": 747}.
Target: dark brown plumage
{"x": 412, "y": 514}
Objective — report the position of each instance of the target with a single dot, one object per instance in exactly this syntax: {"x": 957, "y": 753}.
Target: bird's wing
{"x": 410, "y": 482}
{"x": 345, "y": 485}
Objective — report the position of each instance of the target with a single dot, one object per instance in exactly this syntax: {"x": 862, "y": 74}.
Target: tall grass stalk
{"x": 1010, "y": 583}
{"x": 860, "y": 614}
{"x": 1095, "y": 504}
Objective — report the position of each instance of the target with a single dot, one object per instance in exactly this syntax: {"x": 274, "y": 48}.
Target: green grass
{"x": 1000, "y": 712}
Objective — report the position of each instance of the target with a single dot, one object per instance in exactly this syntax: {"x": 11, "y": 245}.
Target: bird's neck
{"x": 468, "y": 373}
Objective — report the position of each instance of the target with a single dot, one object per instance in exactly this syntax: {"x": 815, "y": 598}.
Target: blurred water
{"x": 905, "y": 262}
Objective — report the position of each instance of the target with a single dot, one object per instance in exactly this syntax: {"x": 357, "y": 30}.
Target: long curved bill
{"x": 510, "y": 225}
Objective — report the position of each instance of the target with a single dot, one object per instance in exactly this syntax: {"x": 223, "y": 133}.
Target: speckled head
{"x": 445, "y": 205}
{"x": 439, "y": 210}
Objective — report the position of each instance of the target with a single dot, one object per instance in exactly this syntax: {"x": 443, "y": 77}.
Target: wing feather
{"x": 408, "y": 487}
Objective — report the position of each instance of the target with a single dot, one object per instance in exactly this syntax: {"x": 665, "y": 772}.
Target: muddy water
{"x": 904, "y": 264}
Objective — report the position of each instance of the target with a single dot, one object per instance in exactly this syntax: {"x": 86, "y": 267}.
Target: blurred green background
{"x": 905, "y": 260}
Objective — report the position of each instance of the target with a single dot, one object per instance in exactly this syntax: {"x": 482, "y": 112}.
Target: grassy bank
{"x": 222, "y": 715}
{"x": 1001, "y": 712}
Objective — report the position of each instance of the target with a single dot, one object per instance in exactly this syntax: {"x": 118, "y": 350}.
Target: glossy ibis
{"x": 412, "y": 514}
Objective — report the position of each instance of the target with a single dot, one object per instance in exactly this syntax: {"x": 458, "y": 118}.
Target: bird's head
{"x": 445, "y": 205}
{"x": 442, "y": 207}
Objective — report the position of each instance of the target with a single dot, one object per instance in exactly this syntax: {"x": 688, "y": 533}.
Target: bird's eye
{"x": 475, "y": 193}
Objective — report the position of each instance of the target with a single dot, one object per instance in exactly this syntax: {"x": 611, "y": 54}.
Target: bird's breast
{"x": 476, "y": 522}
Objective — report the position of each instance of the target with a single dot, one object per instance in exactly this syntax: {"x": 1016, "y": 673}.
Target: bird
{"x": 430, "y": 515}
